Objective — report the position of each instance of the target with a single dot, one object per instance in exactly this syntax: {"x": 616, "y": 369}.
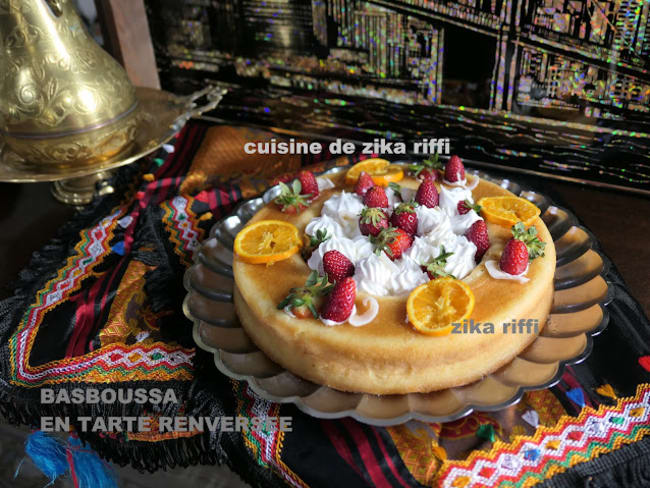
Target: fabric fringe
{"x": 163, "y": 287}
{"x": 162, "y": 281}
{"x": 628, "y": 466}
{"x": 154, "y": 456}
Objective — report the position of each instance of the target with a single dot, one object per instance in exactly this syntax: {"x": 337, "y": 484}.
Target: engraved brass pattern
{"x": 64, "y": 101}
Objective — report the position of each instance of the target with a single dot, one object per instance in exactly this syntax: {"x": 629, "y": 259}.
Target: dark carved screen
{"x": 537, "y": 78}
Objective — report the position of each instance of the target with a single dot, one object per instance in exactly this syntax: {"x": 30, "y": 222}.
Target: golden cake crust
{"x": 387, "y": 356}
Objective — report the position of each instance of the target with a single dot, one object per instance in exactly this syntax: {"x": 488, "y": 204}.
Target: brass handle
{"x": 55, "y": 7}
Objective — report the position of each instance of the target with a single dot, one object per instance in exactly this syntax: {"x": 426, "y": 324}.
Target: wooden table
{"x": 29, "y": 217}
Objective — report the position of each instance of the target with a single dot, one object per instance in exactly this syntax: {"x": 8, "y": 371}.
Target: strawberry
{"x": 436, "y": 267}
{"x": 364, "y": 183}
{"x": 303, "y": 300}
{"x": 427, "y": 194}
{"x": 375, "y": 197}
{"x": 427, "y": 168}
{"x": 430, "y": 174}
{"x": 295, "y": 209}
{"x": 454, "y": 170}
{"x": 405, "y": 218}
{"x": 291, "y": 200}
{"x": 283, "y": 178}
{"x": 337, "y": 266}
{"x": 302, "y": 312}
{"x": 340, "y": 301}
{"x": 514, "y": 258}
{"x": 529, "y": 237}
{"x": 309, "y": 184}
{"x": 464, "y": 206}
{"x": 478, "y": 234}
{"x": 392, "y": 241}
{"x": 312, "y": 242}
{"x": 372, "y": 221}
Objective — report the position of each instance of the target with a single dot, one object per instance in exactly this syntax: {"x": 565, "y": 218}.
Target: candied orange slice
{"x": 267, "y": 241}
{"x": 380, "y": 170}
{"x": 434, "y": 306}
{"x": 508, "y": 210}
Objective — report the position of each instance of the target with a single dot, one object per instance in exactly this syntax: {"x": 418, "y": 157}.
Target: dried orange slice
{"x": 381, "y": 171}
{"x": 508, "y": 210}
{"x": 267, "y": 241}
{"x": 393, "y": 174}
{"x": 434, "y": 306}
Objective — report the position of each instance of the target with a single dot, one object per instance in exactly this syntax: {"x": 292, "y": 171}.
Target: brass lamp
{"x": 64, "y": 102}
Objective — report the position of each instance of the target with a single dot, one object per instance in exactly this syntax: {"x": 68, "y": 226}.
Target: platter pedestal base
{"x": 80, "y": 191}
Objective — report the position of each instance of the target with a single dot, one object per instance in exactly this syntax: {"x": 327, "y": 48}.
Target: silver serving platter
{"x": 578, "y": 313}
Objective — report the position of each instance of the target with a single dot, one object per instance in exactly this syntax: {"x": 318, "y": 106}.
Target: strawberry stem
{"x": 291, "y": 197}
{"x": 529, "y": 237}
{"x": 472, "y": 206}
{"x": 383, "y": 240}
{"x": 315, "y": 286}
{"x": 437, "y": 265}
{"x": 432, "y": 163}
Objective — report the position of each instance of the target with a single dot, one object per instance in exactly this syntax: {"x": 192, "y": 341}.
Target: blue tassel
{"x": 87, "y": 469}
{"x": 48, "y": 455}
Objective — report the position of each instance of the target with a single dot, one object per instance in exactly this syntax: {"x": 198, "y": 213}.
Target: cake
{"x": 378, "y": 349}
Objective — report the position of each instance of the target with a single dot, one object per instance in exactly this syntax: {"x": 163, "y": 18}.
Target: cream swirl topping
{"x": 449, "y": 198}
{"x": 498, "y": 274}
{"x": 345, "y": 209}
{"x": 354, "y": 249}
{"x": 377, "y": 274}
{"x": 324, "y": 183}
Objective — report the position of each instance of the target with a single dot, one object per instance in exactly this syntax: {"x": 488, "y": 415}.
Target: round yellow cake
{"x": 388, "y": 356}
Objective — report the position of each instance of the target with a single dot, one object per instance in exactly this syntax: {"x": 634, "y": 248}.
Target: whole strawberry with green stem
{"x": 405, "y": 218}
{"x": 308, "y": 183}
{"x": 291, "y": 200}
{"x": 427, "y": 168}
{"x": 304, "y": 301}
{"x": 436, "y": 267}
{"x": 372, "y": 220}
{"x": 465, "y": 206}
{"x": 514, "y": 258}
{"x": 312, "y": 242}
{"x": 521, "y": 249}
{"x": 392, "y": 241}
{"x": 529, "y": 237}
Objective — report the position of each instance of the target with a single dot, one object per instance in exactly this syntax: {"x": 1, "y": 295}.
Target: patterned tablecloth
{"x": 100, "y": 306}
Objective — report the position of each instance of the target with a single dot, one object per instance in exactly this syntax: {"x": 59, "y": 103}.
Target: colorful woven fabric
{"x": 530, "y": 459}
{"x": 101, "y": 306}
